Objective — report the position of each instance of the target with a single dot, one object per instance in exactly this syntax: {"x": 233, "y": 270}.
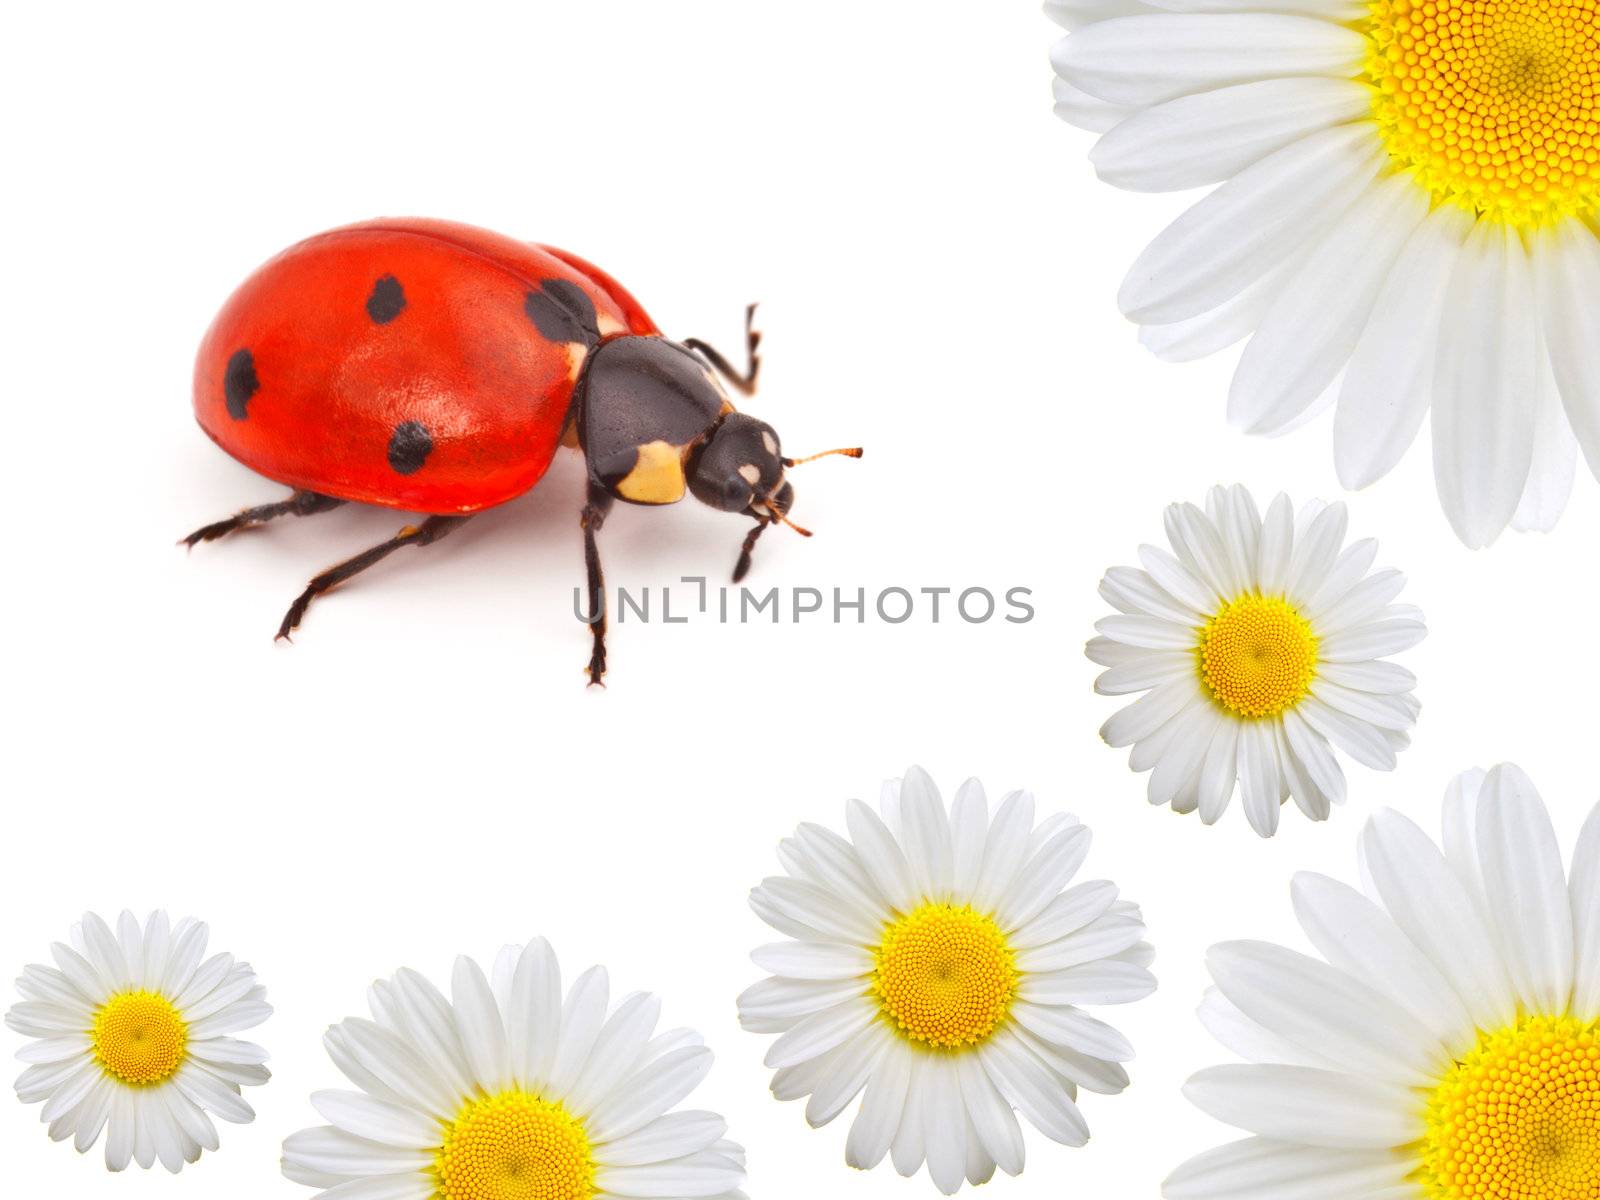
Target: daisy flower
{"x": 1446, "y": 1046}
{"x": 937, "y": 960}
{"x": 1257, "y": 642}
{"x": 1406, "y": 220}
{"x": 507, "y": 1091}
{"x": 131, "y": 1038}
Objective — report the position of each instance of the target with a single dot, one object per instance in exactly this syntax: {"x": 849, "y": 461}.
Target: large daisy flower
{"x": 507, "y": 1091}
{"x": 1446, "y": 1046}
{"x": 1409, "y": 196}
{"x": 1257, "y": 644}
{"x": 131, "y": 1032}
{"x": 937, "y": 960}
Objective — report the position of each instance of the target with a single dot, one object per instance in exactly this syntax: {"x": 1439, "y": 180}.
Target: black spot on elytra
{"x": 409, "y": 447}
{"x": 239, "y": 383}
{"x": 386, "y": 301}
{"x": 561, "y": 311}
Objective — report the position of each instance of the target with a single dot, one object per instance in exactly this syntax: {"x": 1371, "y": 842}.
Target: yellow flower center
{"x": 1258, "y": 656}
{"x": 1493, "y": 103}
{"x": 1519, "y": 1117}
{"x": 945, "y": 975}
{"x": 514, "y": 1146}
{"x": 140, "y": 1038}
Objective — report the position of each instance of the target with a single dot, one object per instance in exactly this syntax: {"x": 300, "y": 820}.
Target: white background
{"x": 423, "y": 772}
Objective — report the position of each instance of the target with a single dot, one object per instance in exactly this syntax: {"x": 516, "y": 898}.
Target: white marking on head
{"x": 750, "y": 473}
{"x": 770, "y": 442}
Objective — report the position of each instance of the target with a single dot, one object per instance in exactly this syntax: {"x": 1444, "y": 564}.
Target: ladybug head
{"x": 739, "y": 468}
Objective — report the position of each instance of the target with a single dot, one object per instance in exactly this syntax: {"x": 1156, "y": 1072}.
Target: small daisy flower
{"x": 1405, "y": 223}
{"x": 937, "y": 961}
{"x": 1257, "y": 642}
{"x": 1446, "y": 1046}
{"x": 507, "y": 1091}
{"x": 131, "y": 1032}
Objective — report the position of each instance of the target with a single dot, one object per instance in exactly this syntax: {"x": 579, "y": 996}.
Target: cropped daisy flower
{"x": 1446, "y": 1046}
{"x": 1257, "y": 644}
{"x": 131, "y": 1032}
{"x": 937, "y": 961}
{"x": 1410, "y": 192}
{"x": 507, "y": 1091}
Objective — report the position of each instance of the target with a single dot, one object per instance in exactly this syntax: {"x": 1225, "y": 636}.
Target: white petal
{"x": 993, "y": 1120}
{"x": 1073, "y": 1028}
{"x": 1487, "y": 369}
{"x": 821, "y": 1032}
{"x": 1108, "y": 981}
{"x": 1143, "y": 60}
{"x": 1249, "y": 225}
{"x": 705, "y": 1174}
{"x": 1076, "y": 107}
{"x": 1432, "y": 907}
{"x": 648, "y": 1093}
{"x": 1004, "y": 849}
{"x": 617, "y": 1052}
{"x": 1555, "y": 457}
{"x": 411, "y": 1186}
{"x": 1075, "y": 14}
{"x": 1136, "y": 592}
{"x": 1324, "y": 1010}
{"x": 1359, "y": 739}
{"x": 1525, "y": 889}
{"x": 1378, "y": 639}
{"x": 377, "y": 1120}
{"x": 850, "y": 1067}
{"x": 925, "y": 834}
{"x": 1149, "y": 713}
{"x": 775, "y": 1005}
{"x": 945, "y": 1138}
{"x": 907, "y": 1150}
{"x": 1586, "y": 918}
{"x": 1567, "y": 261}
{"x": 1260, "y": 781}
{"x": 1107, "y": 936}
{"x": 1355, "y": 935}
{"x": 1033, "y": 1089}
{"x": 1042, "y": 878}
{"x": 1389, "y": 380}
{"x": 813, "y": 960}
{"x": 831, "y": 917}
{"x": 1308, "y": 335}
{"x": 1257, "y": 1169}
{"x": 671, "y": 1136}
{"x": 534, "y": 1019}
{"x": 1304, "y": 1104}
{"x": 1224, "y": 325}
{"x": 881, "y": 855}
{"x": 1219, "y": 771}
{"x": 1205, "y": 138}
{"x": 878, "y": 1118}
{"x": 1249, "y": 1039}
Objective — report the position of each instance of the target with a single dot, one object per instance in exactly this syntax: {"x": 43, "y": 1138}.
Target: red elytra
{"x": 434, "y": 367}
{"x": 465, "y": 362}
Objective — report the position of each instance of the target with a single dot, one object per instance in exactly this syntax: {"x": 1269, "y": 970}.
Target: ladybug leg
{"x": 428, "y": 532}
{"x": 593, "y": 517}
{"x": 742, "y": 567}
{"x": 744, "y": 381}
{"x": 301, "y": 504}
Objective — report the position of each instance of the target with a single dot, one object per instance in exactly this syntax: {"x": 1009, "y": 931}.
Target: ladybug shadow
{"x": 535, "y": 540}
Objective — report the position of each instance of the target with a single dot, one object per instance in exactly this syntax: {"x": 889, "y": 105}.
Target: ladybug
{"x": 436, "y": 368}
